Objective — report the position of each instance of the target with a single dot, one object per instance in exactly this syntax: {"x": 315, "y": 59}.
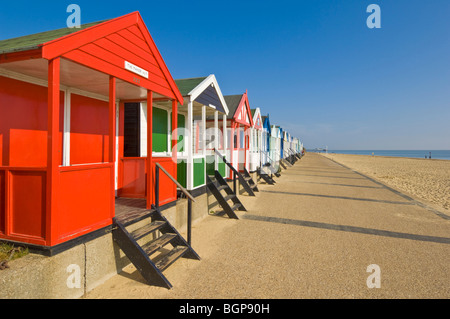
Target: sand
{"x": 426, "y": 179}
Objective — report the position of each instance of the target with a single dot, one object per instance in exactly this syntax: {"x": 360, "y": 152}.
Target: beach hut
{"x": 239, "y": 122}
{"x": 288, "y": 146}
{"x": 256, "y": 137}
{"x": 296, "y": 143}
{"x": 276, "y": 144}
{"x": 204, "y": 117}
{"x": 70, "y": 102}
{"x": 266, "y": 139}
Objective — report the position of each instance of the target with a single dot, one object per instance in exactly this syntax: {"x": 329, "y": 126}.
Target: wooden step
{"x": 222, "y": 187}
{"x": 140, "y": 254}
{"x": 134, "y": 217}
{"x": 171, "y": 257}
{"x": 227, "y": 198}
{"x": 147, "y": 229}
{"x": 236, "y": 206}
{"x": 267, "y": 179}
{"x": 222, "y": 199}
{"x": 151, "y": 247}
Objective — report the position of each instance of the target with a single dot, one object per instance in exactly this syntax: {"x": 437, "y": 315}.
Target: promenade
{"x": 311, "y": 235}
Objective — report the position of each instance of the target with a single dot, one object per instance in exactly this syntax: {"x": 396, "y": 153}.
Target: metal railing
{"x": 190, "y": 198}
{"x": 235, "y": 173}
{"x": 271, "y": 161}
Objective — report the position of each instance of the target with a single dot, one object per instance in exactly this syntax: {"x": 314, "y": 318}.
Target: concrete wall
{"x": 80, "y": 269}
{"x": 67, "y": 275}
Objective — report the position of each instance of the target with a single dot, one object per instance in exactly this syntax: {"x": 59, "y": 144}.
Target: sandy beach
{"x": 426, "y": 180}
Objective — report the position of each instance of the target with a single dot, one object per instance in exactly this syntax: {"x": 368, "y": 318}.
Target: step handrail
{"x": 236, "y": 174}
{"x": 225, "y": 161}
{"x": 272, "y": 163}
{"x": 268, "y": 156}
{"x": 185, "y": 192}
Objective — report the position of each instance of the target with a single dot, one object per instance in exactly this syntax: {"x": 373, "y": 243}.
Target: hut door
{"x": 133, "y": 166}
{"x": 132, "y": 136}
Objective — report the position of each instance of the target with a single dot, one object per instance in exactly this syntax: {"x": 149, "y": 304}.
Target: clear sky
{"x": 313, "y": 65}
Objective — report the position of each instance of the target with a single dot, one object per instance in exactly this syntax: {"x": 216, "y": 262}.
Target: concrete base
{"x": 74, "y": 272}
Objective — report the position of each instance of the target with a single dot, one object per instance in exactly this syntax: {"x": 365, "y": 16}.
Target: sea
{"x": 435, "y": 154}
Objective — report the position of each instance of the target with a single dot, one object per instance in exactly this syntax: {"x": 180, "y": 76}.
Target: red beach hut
{"x": 61, "y": 94}
{"x": 240, "y": 121}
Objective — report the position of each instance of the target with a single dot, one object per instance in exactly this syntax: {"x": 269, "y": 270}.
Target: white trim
{"x": 161, "y": 154}
{"x": 23, "y": 77}
{"x": 67, "y": 121}
{"x": 188, "y": 145}
{"x": 204, "y": 129}
{"x": 116, "y": 178}
{"x": 225, "y": 141}
{"x": 169, "y": 133}
{"x": 216, "y": 139}
{"x": 210, "y": 80}
{"x": 255, "y": 117}
{"x": 143, "y": 128}
{"x": 204, "y": 137}
{"x": 198, "y": 185}
{"x": 29, "y": 79}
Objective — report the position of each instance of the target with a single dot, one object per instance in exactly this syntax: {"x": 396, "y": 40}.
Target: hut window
{"x": 160, "y": 129}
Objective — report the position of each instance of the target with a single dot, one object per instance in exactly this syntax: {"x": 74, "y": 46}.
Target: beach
{"x": 427, "y": 180}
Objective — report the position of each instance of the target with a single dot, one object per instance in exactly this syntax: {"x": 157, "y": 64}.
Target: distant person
{"x": 430, "y": 155}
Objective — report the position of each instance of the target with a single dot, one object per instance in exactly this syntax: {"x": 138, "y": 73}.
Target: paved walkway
{"x": 312, "y": 235}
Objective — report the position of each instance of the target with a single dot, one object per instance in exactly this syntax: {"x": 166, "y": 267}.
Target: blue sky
{"x": 313, "y": 65}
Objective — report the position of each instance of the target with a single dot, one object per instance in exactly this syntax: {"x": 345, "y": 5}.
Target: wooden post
{"x": 175, "y": 137}
{"x": 112, "y": 140}
{"x": 189, "y": 222}
{"x": 149, "y": 149}
{"x": 189, "y": 145}
{"x": 204, "y": 141}
{"x": 224, "y": 132}
{"x": 157, "y": 187}
{"x": 225, "y": 138}
{"x": 66, "y": 136}
{"x": 216, "y": 139}
{"x": 53, "y": 148}
{"x": 204, "y": 130}
{"x": 112, "y": 119}
{"x": 232, "y": 148}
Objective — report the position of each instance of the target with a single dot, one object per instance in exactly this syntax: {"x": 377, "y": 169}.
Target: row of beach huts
{"x": 80, "y": 112}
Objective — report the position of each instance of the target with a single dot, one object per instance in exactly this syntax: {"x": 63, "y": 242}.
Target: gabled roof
{"x": 187, "y": 85}
{"x": 236, "y": 105}
{"x": 266, "y": 123}
{"x": 204, "y": 90}
{"x": 257, "y": 118}
{"x": 121, "y": 47}
{"x": 233, "y": 102}
{"x": 276, "y": 130}
{"x": 35, "y": 41}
